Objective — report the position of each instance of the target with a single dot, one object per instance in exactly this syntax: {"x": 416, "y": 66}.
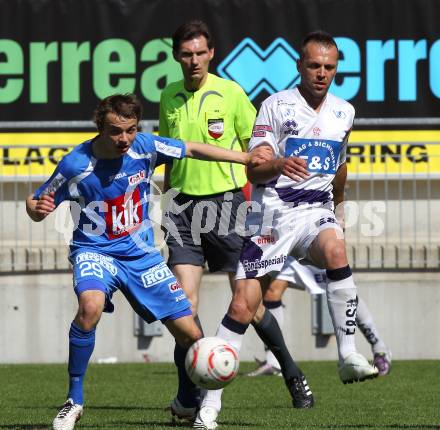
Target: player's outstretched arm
{"x": 203, "y": 151}
{"x": 293, "y": 167}
{"x": 41, "y": 208}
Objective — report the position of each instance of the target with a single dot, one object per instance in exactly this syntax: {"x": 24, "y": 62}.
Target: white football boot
{"x": 265, "y": 369}
{"x": 67, "y": 416}
{"x": 206, "y": 418}
{"x": 355, "y": 368}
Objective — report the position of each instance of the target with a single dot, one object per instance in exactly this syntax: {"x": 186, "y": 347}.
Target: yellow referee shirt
{"x": 220, "y": 114}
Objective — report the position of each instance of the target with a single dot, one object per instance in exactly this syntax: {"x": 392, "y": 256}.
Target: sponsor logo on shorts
{"x": 180, "y": 298}
{"x": 136, "y": 178}
{"x": 174, "y": 287}
{"x": 325, "y": 220}
{"x": 157, "y": 274}
{"x": 103, "y": 260}
{"x": 252, "y": 265}
{"x": 265, "y": 239}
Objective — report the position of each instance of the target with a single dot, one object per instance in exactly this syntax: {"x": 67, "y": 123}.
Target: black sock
{"x": 270, "y": 333}
{"x": 187, "y": 392}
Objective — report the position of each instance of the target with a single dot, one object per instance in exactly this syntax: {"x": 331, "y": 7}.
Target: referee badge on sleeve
{"x": 216, "y": 127}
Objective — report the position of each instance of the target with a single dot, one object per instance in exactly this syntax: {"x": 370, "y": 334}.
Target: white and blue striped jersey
{"x": 109, "y": 198}
{"x": 292, "y": 128}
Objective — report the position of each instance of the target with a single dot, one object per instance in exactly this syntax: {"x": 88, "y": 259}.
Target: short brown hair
{"x": 190, "y": 30}
{"x": 321, "y": 37}
{"x": 124, "y": 105}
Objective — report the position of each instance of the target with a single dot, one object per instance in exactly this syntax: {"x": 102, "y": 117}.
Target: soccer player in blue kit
{"x": 107, "y": 181}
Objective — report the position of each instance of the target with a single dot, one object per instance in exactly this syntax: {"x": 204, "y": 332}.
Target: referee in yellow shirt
{"x": 204, "y": 108}
{"x": 202, "y": 218}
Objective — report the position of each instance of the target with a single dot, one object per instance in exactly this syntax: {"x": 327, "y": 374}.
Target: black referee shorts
{"x": 203, "y": 230}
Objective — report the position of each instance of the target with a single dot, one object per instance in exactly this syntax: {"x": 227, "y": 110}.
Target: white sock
{"x": 341, "y": 299}
{"x": 278, "y": 314}
{"x": 213, "y": 398}
{"x": 366, "y": 325}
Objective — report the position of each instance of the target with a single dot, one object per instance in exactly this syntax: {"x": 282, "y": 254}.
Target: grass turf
{"x": 133, "y": 396}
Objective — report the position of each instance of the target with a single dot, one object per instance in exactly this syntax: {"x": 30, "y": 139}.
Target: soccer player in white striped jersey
{"x": 292, "y": 206}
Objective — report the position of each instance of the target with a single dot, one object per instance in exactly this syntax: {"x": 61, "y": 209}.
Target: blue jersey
{"x": 109, "y": 198}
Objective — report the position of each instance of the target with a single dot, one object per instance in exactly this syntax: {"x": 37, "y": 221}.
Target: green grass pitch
{"x": 133, "y": 396}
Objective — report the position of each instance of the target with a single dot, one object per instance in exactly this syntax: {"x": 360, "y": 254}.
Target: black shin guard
{"x": 270, "y": 333}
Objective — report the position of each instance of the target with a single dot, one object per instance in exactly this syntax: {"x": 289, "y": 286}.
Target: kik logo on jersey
{"x": 322, "y": 155}
{"x": 124, "y": 214}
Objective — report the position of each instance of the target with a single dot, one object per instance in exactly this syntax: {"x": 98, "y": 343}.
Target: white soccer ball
{"x": 211, "y": 363}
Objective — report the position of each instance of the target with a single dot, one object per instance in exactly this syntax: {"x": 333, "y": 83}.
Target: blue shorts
{"x": 147, "y": 283}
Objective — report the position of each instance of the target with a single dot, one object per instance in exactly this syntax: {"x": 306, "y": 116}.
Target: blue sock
{"x": 81, "y": 345}
{"x": 187, "y": 393}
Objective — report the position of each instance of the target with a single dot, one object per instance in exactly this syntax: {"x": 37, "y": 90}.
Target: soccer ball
{"x": 211, "y": 363}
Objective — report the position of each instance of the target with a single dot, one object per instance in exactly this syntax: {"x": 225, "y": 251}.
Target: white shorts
{"x": 303, "y": 277}
{"x": 279, "y": 233}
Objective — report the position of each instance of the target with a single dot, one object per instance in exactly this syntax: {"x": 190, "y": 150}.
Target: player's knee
{"x": 335, "y": 254}
{"x": 194, "y": 336}
{"x": 189, "y": 337}
{"x": 272, "y": 296}
{"x": 89, "y": 314}
{"x": 241, "y": 311}
{"x": 275, "y": 291}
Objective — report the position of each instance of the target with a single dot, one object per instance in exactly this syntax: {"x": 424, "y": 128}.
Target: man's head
{"x": 117, "y": 118}
{"x": 317, "y": 66}
{"x": 193, "y": 49}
